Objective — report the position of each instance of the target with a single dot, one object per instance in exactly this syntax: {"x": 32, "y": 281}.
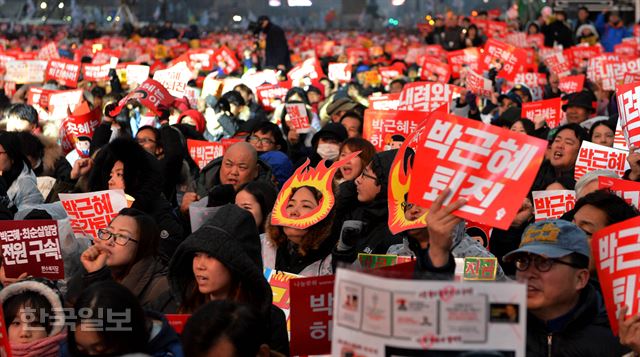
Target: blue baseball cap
{"x": 552, "y": 238}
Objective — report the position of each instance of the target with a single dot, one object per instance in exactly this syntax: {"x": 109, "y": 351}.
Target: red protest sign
{"x": 64, "y": 71}
{"x": 79, "y": 125}
{"x": 531, "y": 79}
{"x": 297, "y": 118}
{"x": 478, "y": 84}
{"x": 339, "y": 72}
{"x": 380, "y": 125}
{"x": 388, "y": 74}
{"x": 626, "y": 49}
{"x": 268, "y": 94}
{"x": 536, "y": 40}
{"x": 558, "y": 64}
{"x": 617, "y": 256}
{"x": 552, "y": 204}
{"x": 151, "y": 94}
{"x": 96, "y": 72}
{"x": 434, "y": 70}
{"x": 550, "y": 110}
{"x": 581, "y": 54}
{"x": 203, "y": 152}
{"x": 31, "y": 247}
{"x": 627, "y": 190}
{"x": 91, "y": 211}
{"x": 357, "y": 55}
{"x": 174, "y": 79}
{"x": 177, "y": 321}
{"x": 388, "y": 101}
{"x": 424, "y": 96}
{"x": 492, "y": 167}
{"x": 467, "y": 57}
{"x": 593, "y": 157}
{"x": 225, "y": 59}
{"x": 628, "y": 96}
{"x": 311, "y": 315}
{"x": 308, "y": 68}
{"x": 507, "y": 58}
{"x": 571, "y": 84}
{"x": 49, "y": 51}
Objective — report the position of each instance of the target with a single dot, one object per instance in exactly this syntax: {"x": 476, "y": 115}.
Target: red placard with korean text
{"x": 492, "y": 167}
{"x": 339, "y": 72}
{"x": 311, "y": 315}
{"x": 91, "y": 211}
{"x": 203, "y": 152}
{"x": 581, "y": 54}
{"x": 78, "y": 125}
{"x": 96, "y": 72}
{"x": 627, "y": 190}
{"x": 269, "y": 94}
{"x": 31, "y": 247}
{"x": 280, "y": 283}
{"x": 628, "y": 96}
{"x": 478, "y": 84}
{"x": 434, "y": 70}
{"x": 508, "y": 58}
{"x": 64, "y": 71}
{"x": 49, "y": 51}
{"x": 593, "y": 157}
{"x": 226, "y": 59}
{"x": 387, "y": 101}
{"x": 531, "y": 79}
{"x": 617, "y": 256}
{"x": 552, "y": 204}
{"x": 308, "y": 68}
{"x": 550, "y": 110}
{"x": 151, "y": 94}
{"x": 459, "y": 59}
{"x": 381, "y": 125}
{"x": 174, "y": 79}
{"x": 558, "y": 64}
{"x": 571, "y": 84}
{"x": 297, "y": 117}
{"x": 424, "y": 96}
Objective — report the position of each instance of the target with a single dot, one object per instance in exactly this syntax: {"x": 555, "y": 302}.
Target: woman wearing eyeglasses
{"x": 125, "y": 251}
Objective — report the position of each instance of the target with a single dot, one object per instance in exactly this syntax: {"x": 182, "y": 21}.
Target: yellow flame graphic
{"x": 320, "y": 178}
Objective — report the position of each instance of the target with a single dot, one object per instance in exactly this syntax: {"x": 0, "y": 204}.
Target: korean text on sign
{"x": 380, "y": 125}
{"x": 492, "y": 167}
{"x": 424, "y": 96}
{"x": 311, "y": 315}
{"x": 91, "y": 211}
{"x": 550, "y": 110}
{"x": 629, "y": 107}
{"x": 625, "y": 189}
{"x": 616, "y": 251}
{"x": 297, "y": 117}
{"x": 31, "y": 247}
{"x": 552, "y": 204}
{"x": 593, "y": 157}
{"x": 203, "y": 152}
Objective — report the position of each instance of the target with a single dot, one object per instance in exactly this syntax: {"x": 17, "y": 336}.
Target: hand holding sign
{"x": 629, "y": 330}
{"x": 94, "y": 259}
{"x": 441, "y": 223}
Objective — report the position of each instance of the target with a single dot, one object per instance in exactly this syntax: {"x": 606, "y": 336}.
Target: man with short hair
{"x": 22, "y": 117}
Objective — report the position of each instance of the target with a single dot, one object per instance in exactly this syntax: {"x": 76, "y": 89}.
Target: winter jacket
{"x": 585, "y": 333}
{"x": 280, "y": 165}
{"x": 557, "y": 32}
{"x": 210, "y": 176}
{"x": 610, "y": 35}
{"x": 463, "y": 246}
{"x": 53, "y": 162}
{"x": 547, "y": 174}
{"x": 230, "y": 236}
{"x": 277, "y": 48}
{"x": 23, "y": 192}
{"x": 163, "y": 339}
{"x": 147, "y": 280}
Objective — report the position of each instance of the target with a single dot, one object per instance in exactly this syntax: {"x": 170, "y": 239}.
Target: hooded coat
{"x": 375, "y": 237}
{"x": 230, "y": 236}
{"x": 610, "y": 36}
{"x": 210, "y": 176}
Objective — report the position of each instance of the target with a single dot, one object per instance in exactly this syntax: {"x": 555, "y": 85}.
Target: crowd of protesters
{"x": 148, "y": 261}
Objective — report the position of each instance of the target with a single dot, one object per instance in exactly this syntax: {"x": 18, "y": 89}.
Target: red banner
{"x": 151, "y": 94}
{"x": 311, "y": 315}
{"x": 593, "y": 157}
{"x": 269, "y": 94}
{"x": 571, "y": 84}
{"x": 478, "y": 84}
{"x": 174, "y": 79}
{"x": 628, "y": 96}
{"x": 388, "y": 74}
{"x": 550, "y": 110}
{"x": 226, "y": 60}
{"x": 31, "y": 247}
{"x": 339, "y": 72}
{"x": 203, "y": 152}
{"x": 507, "y": 58}
{"x": 531, "y": 79}
{"x": 177, "y": 321}
{"x": 617, "y": 256}
{"x": 380, "y": 125}
{"x": 297, "y": 118}
{"x": 78, "y": 125}
{"x": 467, "y": 57}
{"x": 627, "y": 190}
{"x": 63, "y": 71}
{"x": 493, "y": 168}
{"x": 48, "y": 52}
{"x": 424, "y": 96}
{"x": 580, "y": 55}
{"x": 96, "y": 72}
{"x": 558, "y": 64}
{"x": 434, "y": 70}
{"x": 553, "y": 204}
{"x": 309, "y": 68}
{"x": 388, "y": 101}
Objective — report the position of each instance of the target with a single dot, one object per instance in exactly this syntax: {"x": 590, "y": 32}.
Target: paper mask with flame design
{"x": 320, "y": 178}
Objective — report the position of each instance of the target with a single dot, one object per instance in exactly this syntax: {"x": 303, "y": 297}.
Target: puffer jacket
{"x": 210, "y": 176}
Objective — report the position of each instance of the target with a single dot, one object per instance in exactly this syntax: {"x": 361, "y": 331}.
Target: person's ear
{"x": 582, "y": 278}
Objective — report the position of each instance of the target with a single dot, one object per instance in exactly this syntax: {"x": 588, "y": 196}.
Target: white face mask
{"x": 328, "y": 151}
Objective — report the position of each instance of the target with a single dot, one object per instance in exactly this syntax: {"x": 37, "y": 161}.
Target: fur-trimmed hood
{"x": 52, "y": 153}
{"x": 39, "y": 286}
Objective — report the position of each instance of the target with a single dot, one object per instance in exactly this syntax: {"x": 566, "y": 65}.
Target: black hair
{"x": 398, "y": 80}
{"x": 30, "y": 144}
{"x": 130, "y": 336}
{"x": 156, "y": 133}
{"x": 265, "y": 194}
{"x": 234, "y": 97}
{"x": 356, "y": 115}
{"x": 222, "y": 320}
{"x": 148, "y": 235}
{"x": 98, "y": 92}
{"x": 581, "y": 261}
{"x": 605, "y": 122}
{"x": 528, "y": 125}
{"x": 300, "y": 92}
{"x": 569, "y": 183}
{"x": 11, "y": 145}
{"x": 24, "y": 112}
{"x": 579, "y": 132}
{"x": 268, "y": 127}
{"x": 614, "y": 207}
{"x": 37, "y": 304}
